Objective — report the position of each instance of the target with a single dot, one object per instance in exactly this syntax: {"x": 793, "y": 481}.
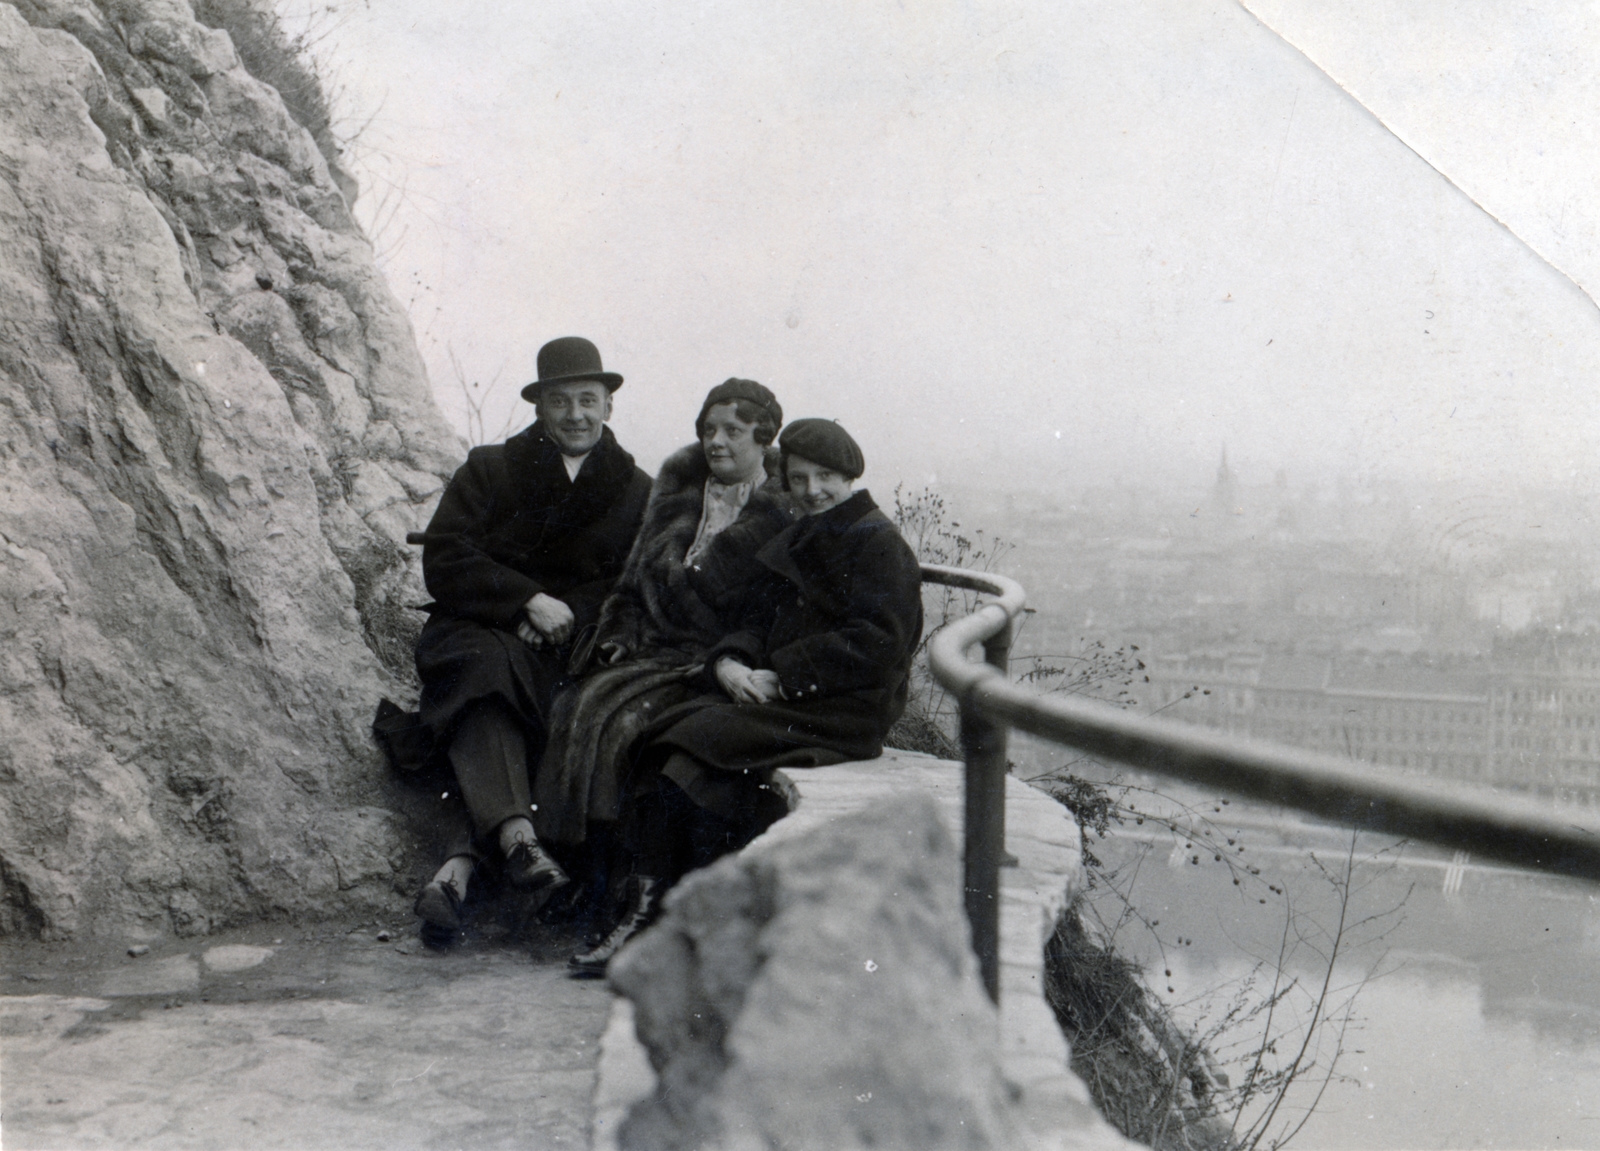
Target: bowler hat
{"x": 567, "y": 360}
{"x": 823, "y": 442}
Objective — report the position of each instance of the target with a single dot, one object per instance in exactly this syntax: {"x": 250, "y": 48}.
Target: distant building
{"x": 1526, "y": 719}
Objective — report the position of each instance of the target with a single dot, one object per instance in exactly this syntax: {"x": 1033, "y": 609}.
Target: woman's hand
{"x": 765, "y": 681}
{"x": 744, "y": 685}
{"x": 612, "y": 653}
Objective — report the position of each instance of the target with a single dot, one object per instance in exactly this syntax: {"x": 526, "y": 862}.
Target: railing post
{"x": 983, "y": 744}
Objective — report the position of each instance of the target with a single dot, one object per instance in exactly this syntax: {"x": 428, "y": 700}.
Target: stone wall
{"x": 214, "y": 432}
{"x": 818, "y": 990}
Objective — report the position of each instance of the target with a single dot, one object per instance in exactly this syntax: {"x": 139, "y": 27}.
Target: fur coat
{"x": 665, "y": 616}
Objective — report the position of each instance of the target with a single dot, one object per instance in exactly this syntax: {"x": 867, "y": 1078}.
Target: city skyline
{"x": 1330, "y": 620}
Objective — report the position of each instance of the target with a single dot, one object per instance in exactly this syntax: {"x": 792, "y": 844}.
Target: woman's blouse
{"x": 720, "y": 506}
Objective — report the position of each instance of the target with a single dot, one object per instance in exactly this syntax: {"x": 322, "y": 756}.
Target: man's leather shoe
{"x": 439, "y": 907}
{"x": 529, "y": 869}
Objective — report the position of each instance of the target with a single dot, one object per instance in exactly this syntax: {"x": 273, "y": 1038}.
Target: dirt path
{"x": 280, "y": 1038}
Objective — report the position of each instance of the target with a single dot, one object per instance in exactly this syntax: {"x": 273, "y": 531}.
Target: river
{"x": 1475, "y": 1018}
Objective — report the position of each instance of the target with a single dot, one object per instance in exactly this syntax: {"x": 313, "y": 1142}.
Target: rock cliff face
{"x": 215, "y": 431}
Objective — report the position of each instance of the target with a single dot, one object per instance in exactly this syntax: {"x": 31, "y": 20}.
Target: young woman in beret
{"x": 815, "y": 673}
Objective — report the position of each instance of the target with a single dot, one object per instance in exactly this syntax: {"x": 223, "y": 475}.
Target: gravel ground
{"x": 300, "y": 1037}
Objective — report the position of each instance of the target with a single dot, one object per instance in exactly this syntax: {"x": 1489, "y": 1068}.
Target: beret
{"x": 731, "y": 391}
{"x": 823, "y": 442}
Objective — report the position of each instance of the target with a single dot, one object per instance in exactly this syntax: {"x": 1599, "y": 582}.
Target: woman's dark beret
{"x": 823, "y": 442}
{"x": 731, "y": 391}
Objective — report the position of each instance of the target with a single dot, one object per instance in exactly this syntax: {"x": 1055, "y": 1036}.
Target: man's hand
{"x": 527, "y": 634}
{"x": 551, "y": 618}
{"x": 744, "y": 685}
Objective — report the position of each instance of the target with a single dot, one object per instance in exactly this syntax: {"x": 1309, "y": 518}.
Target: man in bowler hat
{"x": 524, "y": 547}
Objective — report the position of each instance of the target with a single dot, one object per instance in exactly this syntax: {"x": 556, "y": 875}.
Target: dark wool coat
{"x": 511, "y": 524}
{"x": 838, "y": 617}
{"x": 667, "y": 616}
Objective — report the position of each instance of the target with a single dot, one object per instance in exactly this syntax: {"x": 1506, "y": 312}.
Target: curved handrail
{"x": 1008, "y": 592}
{"x": 947, "y": 650}
{"x": 1510, "y": 829}
{"x": 983, "y": 747}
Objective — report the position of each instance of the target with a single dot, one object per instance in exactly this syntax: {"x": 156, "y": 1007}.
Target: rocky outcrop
{"x": 214, "y": 432}
{"x": 818, "y": 991}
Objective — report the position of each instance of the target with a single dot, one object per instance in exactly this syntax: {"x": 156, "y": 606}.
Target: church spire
{"x": 1225, "y": 495}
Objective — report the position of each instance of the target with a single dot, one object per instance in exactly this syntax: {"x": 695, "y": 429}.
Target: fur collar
{"x": 547, "y": 498}
{"x": 687, "y": 469}
{"x": 813, "y": 545}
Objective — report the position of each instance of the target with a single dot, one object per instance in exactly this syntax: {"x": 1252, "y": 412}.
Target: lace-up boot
{"x": 644, "y": 905}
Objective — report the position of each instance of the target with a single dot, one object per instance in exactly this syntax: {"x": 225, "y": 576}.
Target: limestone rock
{"x": 204, "y": 490}
{"x": 819, "y": 992}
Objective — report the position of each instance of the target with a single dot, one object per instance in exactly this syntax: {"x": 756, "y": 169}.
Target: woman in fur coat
{"x": 712, "y": 507}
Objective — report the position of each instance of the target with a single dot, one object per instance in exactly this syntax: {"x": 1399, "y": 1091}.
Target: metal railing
{"x": 1507, "y": 829}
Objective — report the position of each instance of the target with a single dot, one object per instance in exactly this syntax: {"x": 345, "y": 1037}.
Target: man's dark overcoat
{"x": 838, "y": 616}
{"x": 666, "y": 615}
{"x": 512, "y": 524}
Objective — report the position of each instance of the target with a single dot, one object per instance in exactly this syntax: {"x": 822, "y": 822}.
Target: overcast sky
{"x": 1029, "y": 245}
